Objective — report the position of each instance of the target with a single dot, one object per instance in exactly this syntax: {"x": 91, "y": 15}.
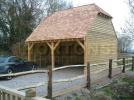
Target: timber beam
{"x": 81, "y": 44}
{"x": 53, "y": 47}
{"x": 30, "y": 46}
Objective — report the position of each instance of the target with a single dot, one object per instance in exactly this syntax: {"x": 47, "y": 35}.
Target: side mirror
{"x": 16, "y": 63}
{"x": 22, "y": 62}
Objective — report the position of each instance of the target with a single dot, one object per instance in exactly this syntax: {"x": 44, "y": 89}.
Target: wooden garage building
{"x": 74, "y": 36}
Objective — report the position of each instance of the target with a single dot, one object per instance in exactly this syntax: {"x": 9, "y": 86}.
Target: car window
{"x": 3, "y": 59}
{"x": 15, "y": 59}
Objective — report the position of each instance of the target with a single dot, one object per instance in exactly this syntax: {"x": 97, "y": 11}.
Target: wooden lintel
{"x": 81, "y": 44}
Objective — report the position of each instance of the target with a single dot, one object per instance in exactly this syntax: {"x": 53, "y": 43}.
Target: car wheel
{"x": 33, "y": 67}
{"x": 9, "y": 71}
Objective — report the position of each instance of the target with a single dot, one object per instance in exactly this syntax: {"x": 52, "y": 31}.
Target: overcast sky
{"x": 117, "y": 8}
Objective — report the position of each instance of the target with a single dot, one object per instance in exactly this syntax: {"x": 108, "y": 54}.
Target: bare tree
{"x": 129, "y": 25}
{"x": 56, "y": 5}
{"x": 124, "y": 43}
{"x": 18, "y": 18}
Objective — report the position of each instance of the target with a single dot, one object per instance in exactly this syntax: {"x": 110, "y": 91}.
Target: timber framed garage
{"x": 73, "y": 36}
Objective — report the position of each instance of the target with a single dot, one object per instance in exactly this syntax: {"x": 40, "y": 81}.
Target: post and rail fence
{"x": 30, "y": 94}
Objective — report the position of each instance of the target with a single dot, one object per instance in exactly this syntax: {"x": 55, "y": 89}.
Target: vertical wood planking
{"x": 11, "y": 97}
{"x": 0, "y": 95}
{"x": 3, "y": 96}
{"x": 16, "y": 98}
{"x": 6, "y": 96}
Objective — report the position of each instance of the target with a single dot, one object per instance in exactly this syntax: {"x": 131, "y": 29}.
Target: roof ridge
{"x": 64, "y": 10}
{"x": 73, "y": 8}
{"x": 101, "y": 10}
{"x": 96, "y": 6}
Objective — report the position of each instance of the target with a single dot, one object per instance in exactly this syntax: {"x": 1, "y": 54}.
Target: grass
{"x": 122, "y": 89}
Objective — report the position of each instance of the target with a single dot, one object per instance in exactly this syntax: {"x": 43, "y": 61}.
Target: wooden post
{"x": 29, "y": 53}
{"x": 50, "y": 69}
{"x": 30, "y": 46}
{"x": 53, "y": 48}
{"x": 85, "y": 57}
{"x": 50, "y": 74}
{"x": 132, "y": 63}
{"x": 52, "y": 55}
{"x": 83, "y": 45}
{"x": 123, "y": 61}
{"x": 88, "y": 76}
{"x": 110, "y": 69}
{"x": 30, "y": 94}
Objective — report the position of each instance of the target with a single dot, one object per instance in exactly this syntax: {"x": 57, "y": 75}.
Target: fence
{"x": 17, "y": 95}
{"x": 124, "y": 64}
{"x": 11, "y": 94}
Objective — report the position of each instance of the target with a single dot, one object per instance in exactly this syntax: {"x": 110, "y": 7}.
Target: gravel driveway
{"x": 36, "y": 78}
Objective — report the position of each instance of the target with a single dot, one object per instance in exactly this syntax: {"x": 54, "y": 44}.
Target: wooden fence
{"x": 15, "y": 94}
{"x": 11, "y": 94}
{"x": 8, "y": 93}
{"x": 124, "y": 64}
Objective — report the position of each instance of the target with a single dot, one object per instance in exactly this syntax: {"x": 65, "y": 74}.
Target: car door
{"x": 28, "y": 66}
{"x": 18, "y": 64}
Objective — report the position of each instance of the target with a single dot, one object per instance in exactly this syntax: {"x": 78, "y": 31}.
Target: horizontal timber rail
{"x": 68, "y": 66}
{"x": 4, "y": 92}
{"x": 56, "y": 81}
{"x": 24, "y": 73}
{"x": 39, "y": 71}
{"x": 105, "y": 63}
{"x": 12, "y": 94}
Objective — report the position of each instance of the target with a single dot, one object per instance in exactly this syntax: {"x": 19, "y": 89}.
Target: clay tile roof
{"x": 67, "y": 24}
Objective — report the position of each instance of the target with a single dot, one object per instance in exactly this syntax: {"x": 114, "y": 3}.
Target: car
{"x": 13, "y": 64}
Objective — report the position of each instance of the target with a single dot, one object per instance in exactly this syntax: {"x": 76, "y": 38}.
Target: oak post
{"x": 50, "y": 69}
{"x": 50, "y": 72}
{"x": 30, "y": 94}
{"x": 132, "y": 63}
{"x": 123, "y": 61}
{"x": 85, "y": 57}
{"x": 88, "y": 76}
{"x": 30, "y": 46}
{"x": 29, "y": 53}
{"x": 110, "y": 69}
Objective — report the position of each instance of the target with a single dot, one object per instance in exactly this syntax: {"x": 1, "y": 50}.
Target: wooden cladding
{"x": 101, "y": 41}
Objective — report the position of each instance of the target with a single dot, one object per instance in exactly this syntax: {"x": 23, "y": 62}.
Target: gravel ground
{"x": 32, "y": 79}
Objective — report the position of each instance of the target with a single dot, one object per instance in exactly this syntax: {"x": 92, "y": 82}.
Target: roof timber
{"x": 61, "y": 40}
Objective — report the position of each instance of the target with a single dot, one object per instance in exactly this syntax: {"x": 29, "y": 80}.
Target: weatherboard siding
{"x": 101, "y": 41}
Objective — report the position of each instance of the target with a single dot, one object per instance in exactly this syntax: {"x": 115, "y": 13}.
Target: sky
{"x": 117, "y": 8}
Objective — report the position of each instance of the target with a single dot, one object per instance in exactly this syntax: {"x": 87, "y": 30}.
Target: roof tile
{"x": 67, "y": 24}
